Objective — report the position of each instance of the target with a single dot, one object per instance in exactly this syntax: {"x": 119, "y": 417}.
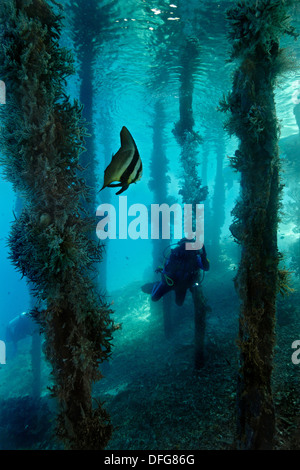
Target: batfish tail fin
{"x": 123, "y": 189}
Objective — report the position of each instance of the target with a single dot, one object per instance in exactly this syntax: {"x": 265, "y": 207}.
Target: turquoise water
{"x": 135, "y": 49}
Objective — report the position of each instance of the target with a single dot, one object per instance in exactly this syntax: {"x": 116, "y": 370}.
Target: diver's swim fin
{"x": 147, "y": 288}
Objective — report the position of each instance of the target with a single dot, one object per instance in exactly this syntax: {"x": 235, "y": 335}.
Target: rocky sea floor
{"x": 156, "y": 398}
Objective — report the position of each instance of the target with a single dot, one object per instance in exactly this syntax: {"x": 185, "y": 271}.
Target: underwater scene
{"x": 150, "y": 222}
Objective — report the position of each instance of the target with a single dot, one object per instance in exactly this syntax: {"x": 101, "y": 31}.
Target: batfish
{"x": 125, "y": 166}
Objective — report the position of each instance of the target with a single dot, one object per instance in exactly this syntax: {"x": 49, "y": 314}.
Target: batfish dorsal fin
{"x": 126, "y": 138}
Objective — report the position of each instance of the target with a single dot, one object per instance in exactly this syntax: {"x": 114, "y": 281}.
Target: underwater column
{"x": 218, "y": 202}
{"x": 89, "y": 23}
{"x": 158, "y": 184}
{"x": 51, "y": 242}
{"x": 192, "y": 191}
{"x": 255, "y": 29}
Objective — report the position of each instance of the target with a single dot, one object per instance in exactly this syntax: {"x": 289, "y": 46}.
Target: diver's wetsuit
{"x": 18, "y": 328}
{"x": 180, "y": 273}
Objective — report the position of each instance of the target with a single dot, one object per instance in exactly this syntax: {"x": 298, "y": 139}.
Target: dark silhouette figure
{"x": 179, "y": 273}
{"x": 18, "y": 328}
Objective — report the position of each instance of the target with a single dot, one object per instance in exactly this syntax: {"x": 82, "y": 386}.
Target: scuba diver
{"x": 180, "y": 272}
{"x": 18, "y": 328}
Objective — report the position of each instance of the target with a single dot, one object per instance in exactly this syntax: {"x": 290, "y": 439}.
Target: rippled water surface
{"x": 134, "y": 63}
{"x": 139, "y": 51}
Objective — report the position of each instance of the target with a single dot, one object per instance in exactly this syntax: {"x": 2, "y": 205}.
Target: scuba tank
{"x": 180, "y": 262}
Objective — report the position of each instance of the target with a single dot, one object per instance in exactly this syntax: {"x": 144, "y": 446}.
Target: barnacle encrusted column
{"x": 90, "y": 21}
{"x": 159, "y": 186}
{"x": 51, "y": 242}
{"x": 218, "y": 200}
{"x": 192, "y": 191}
{"x": 84, "y": 46}
{"x": 255, "y": 31}
{"x": 159, "y": 181}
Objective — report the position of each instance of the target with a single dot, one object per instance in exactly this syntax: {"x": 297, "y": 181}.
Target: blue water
{"x": 13, "y": 290}
{"x": 136, "y": 63}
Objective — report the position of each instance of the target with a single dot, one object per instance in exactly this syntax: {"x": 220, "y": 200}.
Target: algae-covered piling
{"x": 51, "y": 243}
{"x": 255, "y": 30}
